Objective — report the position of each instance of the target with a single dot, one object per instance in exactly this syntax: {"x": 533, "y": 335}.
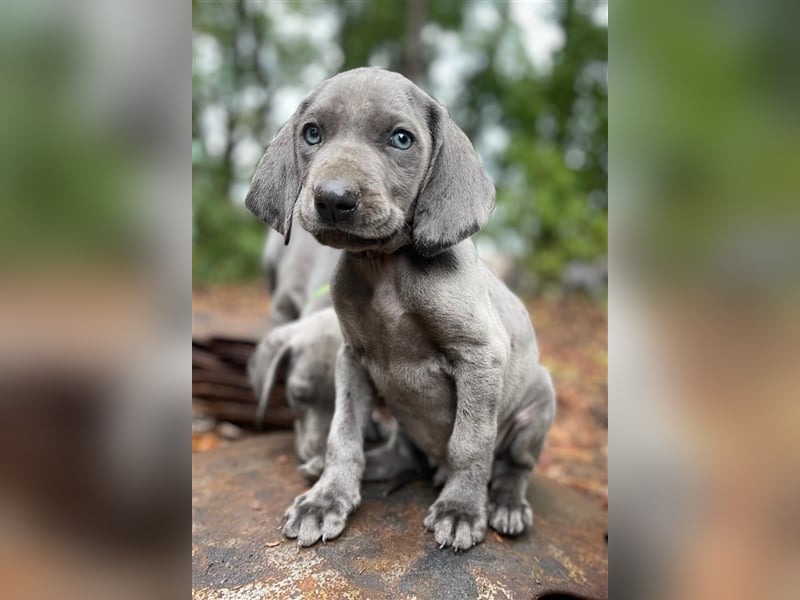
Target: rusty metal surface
{"x": 241, "y": 491}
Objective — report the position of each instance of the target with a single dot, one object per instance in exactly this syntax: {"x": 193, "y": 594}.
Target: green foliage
{"x": 549, "y": 211}
{"x": 380, "y": 26}
{"x": 559, "y": 212}
{"x": 550, "y": 176}
{"x": 226, "y": 239}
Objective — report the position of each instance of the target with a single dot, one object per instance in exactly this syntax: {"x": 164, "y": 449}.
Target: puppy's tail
{"x": 278, "y": 361}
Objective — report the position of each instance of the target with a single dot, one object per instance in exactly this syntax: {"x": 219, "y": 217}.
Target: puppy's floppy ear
{"x": 276, "y": 183}
{"x": 457, "y": 196}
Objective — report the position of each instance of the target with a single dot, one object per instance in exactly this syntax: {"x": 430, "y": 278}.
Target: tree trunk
{"x": 413, "y": 59}
{"x": 232, "y": 120}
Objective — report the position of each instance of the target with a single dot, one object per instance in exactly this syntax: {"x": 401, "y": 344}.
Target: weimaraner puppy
{"x": 298, "y": 272}
{"x": 305, "y": 351}
{"x": 376, "y": 167}
{"x": 299, "y": 275}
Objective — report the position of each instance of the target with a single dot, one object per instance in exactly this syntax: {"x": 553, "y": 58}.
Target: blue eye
{"x": 401, "y": 140}
{"x": 312, "y": 135}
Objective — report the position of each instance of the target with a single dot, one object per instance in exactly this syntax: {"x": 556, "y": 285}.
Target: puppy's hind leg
{"x": 519, "y": 450}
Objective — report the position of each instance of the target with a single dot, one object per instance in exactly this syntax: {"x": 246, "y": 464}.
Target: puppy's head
{"x": 373, "y": 163}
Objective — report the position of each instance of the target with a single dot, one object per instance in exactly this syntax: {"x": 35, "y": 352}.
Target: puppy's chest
{"x": 405, "y": 361}
{"x": 397, "y": 347}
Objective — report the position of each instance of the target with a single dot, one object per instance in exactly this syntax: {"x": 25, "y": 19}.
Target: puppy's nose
{"x": 335, "y": 200}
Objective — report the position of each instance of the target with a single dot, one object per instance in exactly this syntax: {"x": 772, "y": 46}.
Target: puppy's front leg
{"x": 458, "y": 517}
{"x": 321, "y": 512}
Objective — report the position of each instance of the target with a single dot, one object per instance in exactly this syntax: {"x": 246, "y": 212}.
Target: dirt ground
{"x": 573, "y": 340}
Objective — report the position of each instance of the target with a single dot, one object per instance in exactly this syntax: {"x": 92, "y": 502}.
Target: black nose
{"x": 335, "y": 200}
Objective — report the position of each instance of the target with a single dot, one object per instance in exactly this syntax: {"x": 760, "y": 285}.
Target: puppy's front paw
{"x": 319, "y": 514}
{"x": 509, "y": 515}
{"x": 456, "y": 523}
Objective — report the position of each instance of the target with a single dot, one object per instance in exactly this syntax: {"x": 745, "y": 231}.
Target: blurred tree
{"x": 234, "y": 44}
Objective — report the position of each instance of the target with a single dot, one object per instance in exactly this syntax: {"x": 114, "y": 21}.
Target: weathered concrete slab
{"x": 240, "y": 493}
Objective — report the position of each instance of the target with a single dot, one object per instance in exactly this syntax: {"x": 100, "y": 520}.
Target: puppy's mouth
{"x": 345, "y": 240}
{"x": 351, "y": 235}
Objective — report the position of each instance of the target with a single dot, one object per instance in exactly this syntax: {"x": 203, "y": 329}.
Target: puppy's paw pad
{"x": 456, "y": 524}
{"x": 510, "y": 517}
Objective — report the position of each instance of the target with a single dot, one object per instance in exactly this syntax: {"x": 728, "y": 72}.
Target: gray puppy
{"x": 378, "y": 168}
{"x": 298, "y": 274}
{"x": 305, "y": 350}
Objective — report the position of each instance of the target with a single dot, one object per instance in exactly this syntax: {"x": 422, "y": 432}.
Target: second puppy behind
{"x": 304, "y": 353}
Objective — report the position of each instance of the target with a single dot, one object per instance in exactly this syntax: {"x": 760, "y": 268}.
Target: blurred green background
{"x": 527, "y": 81}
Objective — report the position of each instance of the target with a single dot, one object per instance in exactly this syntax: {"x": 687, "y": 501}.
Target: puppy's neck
{"x": 390, "y": 247}
{"x": 369, "y": 254}
{"x": 406, "y": 251}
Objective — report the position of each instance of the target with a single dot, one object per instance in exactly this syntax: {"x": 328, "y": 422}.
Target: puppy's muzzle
{"x": 335, "y": 200}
